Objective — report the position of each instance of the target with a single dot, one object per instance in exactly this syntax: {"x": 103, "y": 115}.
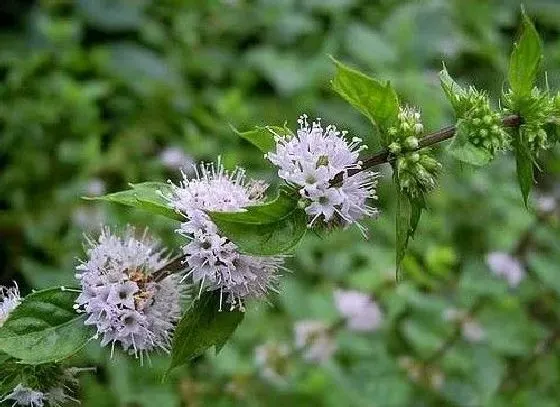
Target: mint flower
{"x": 312, "y": 159}
{"x": 26, "y": 396}
{"x": 213, "y": 262}
{"x": 314, "y": 340}
{"x": 360, "y": 312}
{"x": 9, "y": 300}
{"x": 507, "y": 267}
{"x": 121, "y": 297}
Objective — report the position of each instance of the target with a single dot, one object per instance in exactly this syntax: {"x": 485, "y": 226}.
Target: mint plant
{"x": 132, "y": 294}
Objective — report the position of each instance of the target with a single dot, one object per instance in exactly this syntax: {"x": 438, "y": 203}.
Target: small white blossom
{"x": 121, "y": 297}
{"x": 9, "y": 300}
{"x": 272, "y": 361}
{"x": 26, "y": 396}
{"x": 361, "y": 313}
{"x": 174, "y": 158}
{"x": 314, "y": 340}
{"x": 212, "y": 260}
{"x": 312, "y": 159}
{"x": 507, "y": 267}
{"x": 472, "y": 331}
{"x": 546, "y": 204}
{"x": 95, "y": 187}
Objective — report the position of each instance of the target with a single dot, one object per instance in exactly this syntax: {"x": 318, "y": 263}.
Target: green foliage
{"x": 44, "y": 328}
{"x": 204, "y": 325}
{"x": 376, "y": 101}
{"x": 275, "y": 227}
{"x": 263, "y": 137}
{"x": 525, "y": 59}
{"x": 147, "y": 196}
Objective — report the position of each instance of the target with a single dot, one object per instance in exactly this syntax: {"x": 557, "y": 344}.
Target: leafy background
{"x": 93, "y": 92}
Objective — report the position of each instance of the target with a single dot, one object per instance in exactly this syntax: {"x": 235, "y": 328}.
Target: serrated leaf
{"x": 451, "y": 89}
{"x": 525, "y": 59}
{"x": 202, "y": 327}
{"x": 463, "y": 150}
{"x": 44, "y": 328}
{"x": 524, "y": 163}
{"x": 378, "y": 102}
{"x": 272, "y": 228}
{"x": 145, "y": 196}
{"x": 263, "y": 137}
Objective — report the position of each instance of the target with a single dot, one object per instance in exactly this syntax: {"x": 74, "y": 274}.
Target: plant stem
{"x": 175, "y": 265}
{"x": 427, "y": 141}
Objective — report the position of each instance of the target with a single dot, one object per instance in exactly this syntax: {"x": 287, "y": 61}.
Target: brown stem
{"x": 427, "y": 141}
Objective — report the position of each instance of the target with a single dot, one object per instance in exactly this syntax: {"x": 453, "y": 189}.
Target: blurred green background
{"x": 99, "y": 93}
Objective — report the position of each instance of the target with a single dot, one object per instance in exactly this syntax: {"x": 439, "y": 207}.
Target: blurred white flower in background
{"x": 315, "y": 340}
{"x": 174, "y": 158}
{"x": 360, "y": 312}
{"x": 272, "y": 360}
{"x": 546, "y": 204}
{"x": 95, "y": 187}
{"x": 9, "y": 300}
{"x": 506, "y": 266}
{"x": 472, "y": 331}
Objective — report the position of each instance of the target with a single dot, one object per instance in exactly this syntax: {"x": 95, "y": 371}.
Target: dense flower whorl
{"x": 9, "y": 300}
{"x": 213, "y": 261}
{"x": 25, "y": 396}
{"x": 121, "y": 297}
{"x": 312, "y": 159}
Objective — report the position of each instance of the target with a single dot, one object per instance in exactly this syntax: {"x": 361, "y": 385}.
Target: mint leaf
{"x": 525, "y": 59}
{"x": 202, "y": 327}
{"x": 145, "y": 196}
{"x": 452, "y": 90}
{"x": 463, "y": 150}
{"x": 44, "y": 328}
{"x": 378, "y": 102}
{"x": 272, "y": 228}
{"x": 263, "y": 137}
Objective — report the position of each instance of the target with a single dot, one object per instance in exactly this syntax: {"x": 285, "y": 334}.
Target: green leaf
{"x": 202, "y": 327}
{"x": 44, "y": 328}
{"x": 463, "y": 150}
{"x": 374, "y": 100}
{"x": 524, "y": 162}
{"x": 451, "y": 89}
{"x": 263, "y": 137}
{"x": 146, "y": 196}
{"x": 525, "y": 59}
{"x": 272, "y": 228}
{"x": 407, "y": 217}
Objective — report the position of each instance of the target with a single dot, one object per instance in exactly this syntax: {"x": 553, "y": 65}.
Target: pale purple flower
{"x": 212, "y": 260}
{"x": 121, "y": 297}
{"x": 312, "y": 159}
{"x": 506, "y": 266}
{"x": 9, "y": 300}
{"x": 25, "y": 396}
{"x": 360, "y": 312}
{"x": 314, "y": 340}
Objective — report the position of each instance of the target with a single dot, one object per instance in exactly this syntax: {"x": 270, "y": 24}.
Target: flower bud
{"x": 411, "y": 143}
{"x": 394, "y": 148}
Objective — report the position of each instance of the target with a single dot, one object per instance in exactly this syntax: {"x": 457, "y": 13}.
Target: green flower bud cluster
{"x": 416, "y": 170}
{"x": 485, "y": 125}
{"x": 535, "y": 110}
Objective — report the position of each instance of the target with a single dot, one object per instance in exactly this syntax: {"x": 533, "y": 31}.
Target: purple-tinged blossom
{"x": 213, "y": 262}
{"x": 9, "y": 300}
{"x": 361, "y": 313}
{"x": 25, "y": 396}
{"x": 506, "y": 266}
{"x": 312, "y": 159}
{"x": 120, "y": 296}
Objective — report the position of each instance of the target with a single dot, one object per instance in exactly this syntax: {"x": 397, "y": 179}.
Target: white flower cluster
{"x": 214, "y": 262}
{"x": 361, "y": 313}
{"x": 315, "y": 340}
{"x": 507, "y": 267}
{"x": 312, "y": 159}
{"x": 9, "y": 300}
{"x": 471, "y": 329}
{"x": 121, "y": 297}
{"x": 25, "y": 396}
